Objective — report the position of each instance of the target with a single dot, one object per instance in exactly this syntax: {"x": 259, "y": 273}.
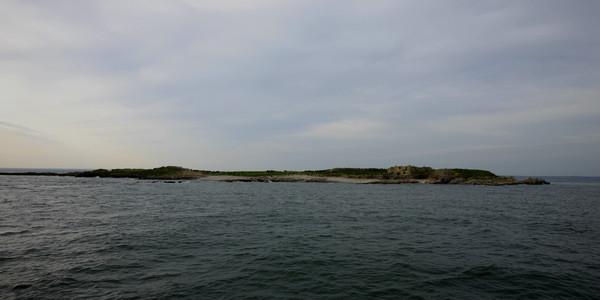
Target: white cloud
{"x": 24, "y": 132}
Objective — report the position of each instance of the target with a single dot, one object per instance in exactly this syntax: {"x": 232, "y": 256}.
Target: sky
{"x": 508, "y": 86}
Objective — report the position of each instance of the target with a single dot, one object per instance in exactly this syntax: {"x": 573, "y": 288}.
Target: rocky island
{"x": 392, "y": 175}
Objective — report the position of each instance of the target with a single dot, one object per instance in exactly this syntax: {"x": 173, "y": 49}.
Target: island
{"x": 392, "y": 175}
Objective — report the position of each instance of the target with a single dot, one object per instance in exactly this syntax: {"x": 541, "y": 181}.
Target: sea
{"x": 103, "y": 238}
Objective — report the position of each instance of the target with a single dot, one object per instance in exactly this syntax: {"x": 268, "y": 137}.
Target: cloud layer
{"x": 507, "y": 86}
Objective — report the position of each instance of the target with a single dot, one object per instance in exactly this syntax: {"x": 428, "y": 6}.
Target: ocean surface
{"x": 65, "y": 238}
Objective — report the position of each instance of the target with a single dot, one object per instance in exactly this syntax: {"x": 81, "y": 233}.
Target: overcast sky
{"x": 508, "y": 86}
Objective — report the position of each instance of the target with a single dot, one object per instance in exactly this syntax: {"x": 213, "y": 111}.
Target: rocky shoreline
{"x": 500, "y": 181}
{"x": 177, "y": 174}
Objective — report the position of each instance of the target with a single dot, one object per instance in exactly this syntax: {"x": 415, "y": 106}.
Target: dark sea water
{"x": 65, "y": 237}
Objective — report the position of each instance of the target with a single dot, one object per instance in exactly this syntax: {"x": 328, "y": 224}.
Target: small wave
{"x": 19, "y": 287}
{"x": 480, "y": 271}
{"x": 7, "y": 258}
{"x": 8, "y": 233}
{"x": 67, "y": 281}
{"x": 159, "y": 276}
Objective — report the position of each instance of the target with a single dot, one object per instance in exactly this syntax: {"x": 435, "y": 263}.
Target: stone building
{"x": 402, "y": 170}
{"x": 410, "y": 171}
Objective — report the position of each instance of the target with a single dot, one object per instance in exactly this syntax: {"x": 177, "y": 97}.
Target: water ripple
{"x": 111, "y": 238}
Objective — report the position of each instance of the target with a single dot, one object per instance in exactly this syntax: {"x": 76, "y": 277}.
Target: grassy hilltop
{"x": 171, "y": 172}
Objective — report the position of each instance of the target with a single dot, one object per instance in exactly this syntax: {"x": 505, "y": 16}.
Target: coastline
{"x": 287, "y": 178}
{"x": 348, "y": 175}
{"x": 500, "y": 181}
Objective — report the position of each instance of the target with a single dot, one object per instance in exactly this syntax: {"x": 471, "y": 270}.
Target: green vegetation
{"x": 156, "y": 173}
{"x": 252, "y": 173}
{"x": 423, "y": 172}
{"x": 337, "y": 172}
{"x": 182, "y": 173}
{"x": 460, "y": 175}
{"x": 472, "y": 173}
{"x": 348, "y": 172}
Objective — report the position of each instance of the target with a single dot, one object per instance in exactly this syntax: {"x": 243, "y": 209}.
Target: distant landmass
{"x": 392, "y": 175}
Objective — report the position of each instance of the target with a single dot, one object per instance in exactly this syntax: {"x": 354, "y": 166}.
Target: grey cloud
{"x": 28, "y": 132}
{"x": 420, "y": 75}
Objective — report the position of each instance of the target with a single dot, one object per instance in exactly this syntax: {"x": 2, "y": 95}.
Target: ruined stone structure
{"x": 410, "y": 171}
{"x": 402, "y": 170}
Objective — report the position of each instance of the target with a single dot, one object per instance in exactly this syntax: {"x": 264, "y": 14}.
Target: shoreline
{"x": 349, "y": 179}
{"x": 500, "y": 181}
{"x": 287, "y": 178}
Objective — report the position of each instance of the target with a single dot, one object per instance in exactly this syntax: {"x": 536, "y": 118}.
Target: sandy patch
{"x": 223, "y": 178}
